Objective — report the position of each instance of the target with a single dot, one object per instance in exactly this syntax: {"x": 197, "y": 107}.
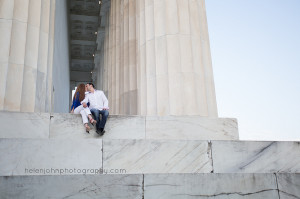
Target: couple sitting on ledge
{"x": 88, "y": 101}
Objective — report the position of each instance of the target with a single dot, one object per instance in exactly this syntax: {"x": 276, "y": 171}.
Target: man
{"x": 98, "y": 105}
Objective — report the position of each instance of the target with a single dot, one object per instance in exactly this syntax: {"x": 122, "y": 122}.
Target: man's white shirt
{"x": 97, "y": 100}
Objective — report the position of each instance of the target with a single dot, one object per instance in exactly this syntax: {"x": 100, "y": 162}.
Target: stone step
{"x": 142, "y": 156}
{"x": 69, "y": 126}
{"x": 47, "y": 156}
{"x": 153, "y": 186}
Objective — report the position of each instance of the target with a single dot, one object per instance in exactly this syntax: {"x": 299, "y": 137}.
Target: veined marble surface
{"x": 70, "y": 126}
{"x": 157, "y": 156}
{"x": 191, "y": 128}
{"x": 289, "y": 185}
{"x": 125, "y": 127}
{"x": 24, "y": 125}
{"x": 149, "y": 186}
{"x": 49, "y": 157}
{"x": 255, "y": 157}
{"x": 73, "y": 187}
{"x": 204, "y": 186}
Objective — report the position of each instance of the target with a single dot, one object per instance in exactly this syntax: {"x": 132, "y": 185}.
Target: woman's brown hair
{"x": 81, "y": 90}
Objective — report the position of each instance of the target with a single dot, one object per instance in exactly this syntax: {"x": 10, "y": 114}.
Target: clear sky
{"x": 255, "y": 47}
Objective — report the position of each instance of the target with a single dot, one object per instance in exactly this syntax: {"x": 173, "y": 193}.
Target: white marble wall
{"x": 191, "y": 128}
{"x": 49, "y": 157}
{"x": 153, "y": 186}
{"x": 256, "y": 157}
{"x": 75, "y": 187}
{"x": 24, "y": 125}
{"x": 138, "y": 156}
{"x": 157, "y": 58}
{"x": 151, "y": 156}
{"x": 142, "y": 156}
{"x": 289, "y": 185}
{"x": 204, "y": 186}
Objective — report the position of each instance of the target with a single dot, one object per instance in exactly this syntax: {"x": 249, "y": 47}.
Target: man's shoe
{"x": 98, "y": 131}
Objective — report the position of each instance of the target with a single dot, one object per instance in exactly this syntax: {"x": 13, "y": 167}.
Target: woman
{"x": 77, "y": 108}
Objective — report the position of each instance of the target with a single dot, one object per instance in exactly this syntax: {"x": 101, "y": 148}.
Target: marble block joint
{"x": 149, "y": 186}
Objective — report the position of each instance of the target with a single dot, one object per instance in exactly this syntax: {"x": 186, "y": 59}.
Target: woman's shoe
{"x": 87, "y": 128}
{"x": 93, "y": 122}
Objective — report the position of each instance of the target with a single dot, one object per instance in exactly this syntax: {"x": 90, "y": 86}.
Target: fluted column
{"x": 106, "y": 56}
{"x": 41, "y": 80}
{"x": 6, "y": 21}
{"x": 132, "y": 58}
{"x": 113, "y": 57}
{"x": 49, "y": 106}
{"x": 27, "y": 36}
{"x": 117, "y": 57}
{"x": 121, "y": 50}
{"x": 31, "y": 57}
{"x": 142, "y": 90}
{"x": 126, "y": 99}
{"x": 14, "y": 78}
{"x": 110, "y": 57}
{"x": 165, "y": 65}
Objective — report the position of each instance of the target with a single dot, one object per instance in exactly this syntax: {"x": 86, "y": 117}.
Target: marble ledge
{"x": 69, "y": 126}
{"x": 148, "y": 127}
{"x": 191, "y": 128}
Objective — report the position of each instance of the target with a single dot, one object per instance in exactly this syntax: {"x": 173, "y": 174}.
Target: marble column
{"x": 6, "y": 22}
{"x": 27, "y": 36}
{"x": 14, "y": 77}
{"x": 158, "y": 57}
{"x": 31, "y": 57}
